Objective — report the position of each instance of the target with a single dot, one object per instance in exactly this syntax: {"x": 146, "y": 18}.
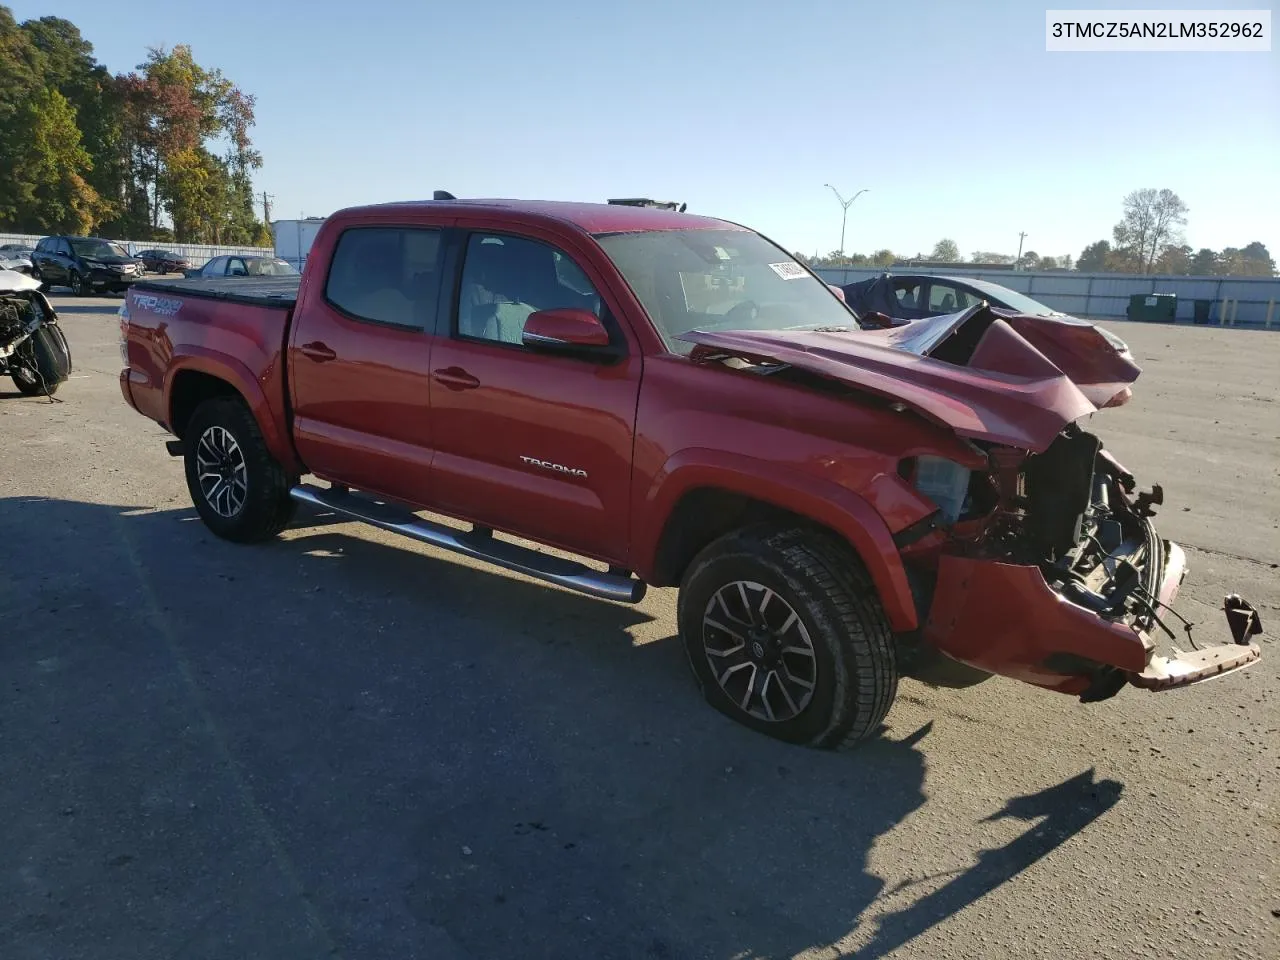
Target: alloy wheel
{"x": 222, "y": 473}
{"x": 759, "y": 651}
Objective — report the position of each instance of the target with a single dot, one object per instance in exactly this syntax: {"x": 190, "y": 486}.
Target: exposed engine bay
{"x": 1064, "y": 533}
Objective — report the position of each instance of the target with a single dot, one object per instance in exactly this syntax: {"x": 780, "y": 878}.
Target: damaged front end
{"x": 1053, "y": 573}
{"x": 1045, "y": 567}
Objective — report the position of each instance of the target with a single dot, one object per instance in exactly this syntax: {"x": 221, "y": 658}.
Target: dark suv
{"x": 85, "y": 264}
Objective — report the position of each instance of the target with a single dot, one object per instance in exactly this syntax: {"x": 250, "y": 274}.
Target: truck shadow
{"x": 441, "y": 754}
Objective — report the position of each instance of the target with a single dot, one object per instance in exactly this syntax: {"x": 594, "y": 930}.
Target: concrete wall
{"x": 198, "y": 254}
{"x": 1103, "y": 296}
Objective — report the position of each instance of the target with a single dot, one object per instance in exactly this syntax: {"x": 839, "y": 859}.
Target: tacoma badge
{"x": 557, "y": 467}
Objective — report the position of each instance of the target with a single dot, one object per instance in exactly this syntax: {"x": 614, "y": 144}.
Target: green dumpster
{"x": 1152, "y": 307}
{"x": 1203, "y": 309}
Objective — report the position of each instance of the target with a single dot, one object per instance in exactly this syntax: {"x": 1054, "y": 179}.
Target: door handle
{"x": 318, "y": 352}
{"x": 455, "y": 378}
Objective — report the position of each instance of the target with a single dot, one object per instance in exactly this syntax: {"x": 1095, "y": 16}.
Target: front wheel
{"x": 81, "y": 285}
{"x": 785, "y": 634}
{"x": 239, "y": 489}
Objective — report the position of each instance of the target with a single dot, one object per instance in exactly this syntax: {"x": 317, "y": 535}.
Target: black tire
{"x": 29, "y": 385}
{"x": 854, "y": 657}
{"x": 265, "y": 507}
{"x": 35, "y": 275}
{"x": 43, "y": 363}
{"x": 81, "y": 286}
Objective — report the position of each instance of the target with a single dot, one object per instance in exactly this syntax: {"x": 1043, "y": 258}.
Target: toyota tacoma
{"x": 677, "y": 402}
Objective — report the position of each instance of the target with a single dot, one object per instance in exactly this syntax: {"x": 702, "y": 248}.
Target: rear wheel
{"x": 42, "y": 363}
{"x": 785, "y": 634}
{"x": 239, "y": 489}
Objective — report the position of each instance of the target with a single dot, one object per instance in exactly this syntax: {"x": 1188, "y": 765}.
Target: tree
{"x": 1094, "y": 257}
{"x": 170, "y": 139}
{"x": 1030, "y": 261}
{"x": 51, "y": 194}
{"x": 1251, "y": 261}
{"x": 1175, "y": 261}
{"x": 883, "y": 258}
{"x": 986, "y": 256}
{"x": 1151, "y": 222}
{"x": 69, "y": 66}
{"x": 19, "y": 83}
{"x": 946, "y": 250}
{"x": 1048, "y": 263}
{"x": 1204, "y": 263}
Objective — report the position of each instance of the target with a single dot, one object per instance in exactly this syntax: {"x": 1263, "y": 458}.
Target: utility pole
{"x": 1017, "y": 264}
{"x": 845, "y": 218}
{"x": 266, "y": 208}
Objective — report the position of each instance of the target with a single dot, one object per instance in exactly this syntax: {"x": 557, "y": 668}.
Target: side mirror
{"x": 838, "y": 291}
{"x": 566, "y": 328}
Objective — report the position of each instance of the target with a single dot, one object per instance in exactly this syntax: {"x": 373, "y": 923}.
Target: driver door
{"x": 526, "y": 441}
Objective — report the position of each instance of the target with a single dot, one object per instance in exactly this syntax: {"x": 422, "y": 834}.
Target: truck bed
{"x": 257, "y": 291}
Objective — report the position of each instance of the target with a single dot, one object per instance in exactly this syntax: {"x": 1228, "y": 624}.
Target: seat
{"x": 948, "y": 303}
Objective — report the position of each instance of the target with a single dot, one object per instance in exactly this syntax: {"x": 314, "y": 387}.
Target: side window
{"x": 387, "y": 275}
{"x": 43, "y": 246}
{"x": 215, "y": 267}
{"x": 504, "y": 279}
{"x": 236, "y": 268}
{"x": 63, "y": 248}
{"x": 908, "y": 293}
{"x": 945, "y": 298}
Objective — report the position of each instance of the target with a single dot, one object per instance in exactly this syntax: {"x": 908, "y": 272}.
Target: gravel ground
{"x": 346, "y": 745}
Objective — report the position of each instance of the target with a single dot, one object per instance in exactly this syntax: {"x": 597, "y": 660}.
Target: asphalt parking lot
{"x": 342, "y": 744}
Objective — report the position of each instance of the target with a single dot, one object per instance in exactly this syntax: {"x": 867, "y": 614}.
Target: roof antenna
{"x": 443, "y": 195}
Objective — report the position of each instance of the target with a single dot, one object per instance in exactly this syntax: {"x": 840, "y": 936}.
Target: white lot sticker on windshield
{"x": 788, "y": 271}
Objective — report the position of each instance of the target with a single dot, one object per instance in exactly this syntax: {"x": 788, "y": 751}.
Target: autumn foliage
{"x": 162, "y": 152}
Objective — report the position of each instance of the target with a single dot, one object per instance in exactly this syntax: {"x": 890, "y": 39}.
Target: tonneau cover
{"x": 259, "y": 291}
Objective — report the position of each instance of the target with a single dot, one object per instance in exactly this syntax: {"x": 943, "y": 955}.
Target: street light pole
{"x": 1017, "y": 264}
{"x": 846, "y": 204}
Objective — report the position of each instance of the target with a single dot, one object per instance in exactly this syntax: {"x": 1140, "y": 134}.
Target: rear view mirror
{"x": 564, "y": 328}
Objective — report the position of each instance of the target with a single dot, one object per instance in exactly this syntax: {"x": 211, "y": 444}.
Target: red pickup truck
{"x": 675, "y": 400}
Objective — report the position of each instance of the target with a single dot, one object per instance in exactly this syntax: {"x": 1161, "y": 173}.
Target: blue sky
{"x": 951, "y": 114}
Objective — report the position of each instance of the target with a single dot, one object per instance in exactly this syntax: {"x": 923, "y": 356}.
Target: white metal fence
{"x": 198, "y": 254}
{"x": 1242, "y": 301}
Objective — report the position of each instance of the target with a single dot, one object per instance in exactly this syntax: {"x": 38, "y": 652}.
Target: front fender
{"x": 233, "y": 371}
{"x": 821, "y": 501}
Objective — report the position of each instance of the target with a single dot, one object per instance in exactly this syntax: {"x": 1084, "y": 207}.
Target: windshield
{"x": 721, "y": 280}
{"x": 97, "y": 248}
{"x": 1016, "y": 301}
{"x": 269, "y": 268}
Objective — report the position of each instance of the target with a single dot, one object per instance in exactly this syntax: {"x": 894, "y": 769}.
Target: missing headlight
{"x": 943, "y": 481}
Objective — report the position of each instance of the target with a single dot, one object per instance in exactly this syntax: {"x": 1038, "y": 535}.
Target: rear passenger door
{"x": 359, "y": 361}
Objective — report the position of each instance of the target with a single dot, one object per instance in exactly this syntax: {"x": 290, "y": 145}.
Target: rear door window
{"x": 948, "y": 298}
{"x": 387, "y": 275}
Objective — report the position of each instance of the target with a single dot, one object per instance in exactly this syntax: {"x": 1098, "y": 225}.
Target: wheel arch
{"x": 196, "y": 378}
{"x": 701, "y": 499}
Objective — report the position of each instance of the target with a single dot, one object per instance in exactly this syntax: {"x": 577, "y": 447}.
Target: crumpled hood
{"x": 986, "y": 373}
